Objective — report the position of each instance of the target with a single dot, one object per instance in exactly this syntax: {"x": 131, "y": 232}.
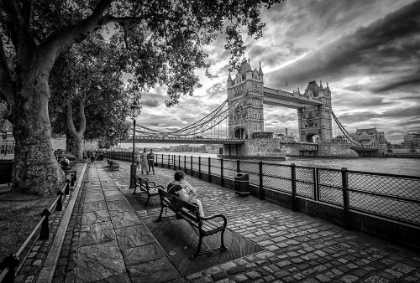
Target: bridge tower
{"x": 315, "y": 121}
{"x": 249, "y": 118}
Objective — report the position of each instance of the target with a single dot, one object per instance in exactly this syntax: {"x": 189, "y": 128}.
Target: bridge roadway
{"x": 185, "y": 140}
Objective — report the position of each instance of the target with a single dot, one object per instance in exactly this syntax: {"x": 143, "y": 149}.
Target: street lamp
{"x": 135, "y": 112}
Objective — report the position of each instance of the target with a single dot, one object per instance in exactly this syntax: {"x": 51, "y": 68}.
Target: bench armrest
{"x": 216, "y": 216}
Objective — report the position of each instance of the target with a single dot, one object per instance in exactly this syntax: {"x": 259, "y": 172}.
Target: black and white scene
{"x": 226, "y": 141}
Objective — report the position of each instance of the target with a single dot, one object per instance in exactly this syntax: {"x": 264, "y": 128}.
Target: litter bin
{"x": 242, "y": 184}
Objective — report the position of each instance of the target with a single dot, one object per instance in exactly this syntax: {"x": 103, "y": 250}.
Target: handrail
{"x": 10, "y": 262}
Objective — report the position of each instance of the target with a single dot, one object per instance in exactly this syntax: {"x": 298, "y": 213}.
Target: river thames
{"x": 400, "y": 166}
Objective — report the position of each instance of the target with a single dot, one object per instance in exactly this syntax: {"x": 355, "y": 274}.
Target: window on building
{"x": 311, "y": 123}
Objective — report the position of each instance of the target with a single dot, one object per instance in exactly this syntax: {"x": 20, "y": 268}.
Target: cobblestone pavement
{"x": 108, "y": 242}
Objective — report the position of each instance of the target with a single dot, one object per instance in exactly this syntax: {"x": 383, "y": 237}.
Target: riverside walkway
{"x": 110, "y": 240}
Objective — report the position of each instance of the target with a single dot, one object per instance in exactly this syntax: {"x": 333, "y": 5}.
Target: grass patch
{"x": 19, "y": 214}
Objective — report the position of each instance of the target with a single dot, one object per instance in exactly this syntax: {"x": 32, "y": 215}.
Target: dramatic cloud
{"x": 367, "y": 50}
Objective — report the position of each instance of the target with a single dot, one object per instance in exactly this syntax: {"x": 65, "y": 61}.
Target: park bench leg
{"x": 222, "y": 241}
{"x": 197, "y": 252}
{"x": 161, "y": 211}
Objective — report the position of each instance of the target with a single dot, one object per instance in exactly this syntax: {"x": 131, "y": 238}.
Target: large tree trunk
{"x": 75, "y": 145}
{"x": 35, "y": 169}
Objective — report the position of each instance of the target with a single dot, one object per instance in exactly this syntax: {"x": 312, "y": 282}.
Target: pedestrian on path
{"x": 182, "y": 189}
{"x": 92, "y": 157}
{"x": 151, "y": 161}
{"x": 143, "y": 162}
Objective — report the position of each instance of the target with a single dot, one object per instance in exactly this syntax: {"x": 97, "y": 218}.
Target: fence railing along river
{"x": 336, "y": 194}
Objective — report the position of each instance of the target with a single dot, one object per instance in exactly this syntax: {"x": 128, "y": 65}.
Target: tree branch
{"x": 82, "y": 117}
{"x": 70, "y": 123}
{"x": 75, "y": 33}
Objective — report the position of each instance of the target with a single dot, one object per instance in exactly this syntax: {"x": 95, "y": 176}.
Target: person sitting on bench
{"x": 181, "y": 188}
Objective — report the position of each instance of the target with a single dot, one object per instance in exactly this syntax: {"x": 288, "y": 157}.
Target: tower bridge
{"x": 234, "y": 122}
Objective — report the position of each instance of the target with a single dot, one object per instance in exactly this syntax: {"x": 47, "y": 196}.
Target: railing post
{"x": 169, "y": 160}
{"x": 315, "y": 178}
{"x": 67, "y": 189}
{"x": 191, "y": 166}
{"x": 59, "y": 206}
{"x": 11, "y": 261}
{"x": 209, "y": 169}
{"x": 162, "y": 160}
{"x": 185, "y": 164}
{"x": 222, "y": 182}
{"x": 179, "y": 162}
{"x": 238, "y": 166}
{"x": 73, "y": 178}
{"x": 199, "y": 167}
{"x": 260, "y": 173}
{"x": 173, "y": 162}
{"x": 293, "y": 167}
{"x": 345, "y": 181}
{"x": 45, "y": 229}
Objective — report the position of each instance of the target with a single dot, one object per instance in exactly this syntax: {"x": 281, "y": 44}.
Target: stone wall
{"x": 336, "y": 149}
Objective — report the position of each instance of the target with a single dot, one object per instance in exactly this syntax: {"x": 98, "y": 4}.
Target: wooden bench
{"x": 190, "y": 212}
{"x": 150, "y": 188}
{"x": 113, "y": 166}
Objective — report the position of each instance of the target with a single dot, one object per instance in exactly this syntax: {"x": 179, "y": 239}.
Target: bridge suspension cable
{"x": 210, "y": 121}
{"x": 349, "y": 137}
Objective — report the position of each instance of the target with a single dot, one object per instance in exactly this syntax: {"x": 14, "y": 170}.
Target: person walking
{"x": 92, "y": 157}
{"x": 143, "y": 162}
{"x": 151, "y": 161}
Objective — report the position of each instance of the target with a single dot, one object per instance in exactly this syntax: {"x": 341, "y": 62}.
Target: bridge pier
{"x": 263, "y": 149}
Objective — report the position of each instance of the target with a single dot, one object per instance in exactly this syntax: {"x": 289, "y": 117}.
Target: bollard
{"x": 45, "y": 229}
{"x": 67, "y": 189}
{"x": 293, "y": 171}
{"x": 59, "y": 206}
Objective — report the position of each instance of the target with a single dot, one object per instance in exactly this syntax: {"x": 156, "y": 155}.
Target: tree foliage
{"x": 163, "y": 38}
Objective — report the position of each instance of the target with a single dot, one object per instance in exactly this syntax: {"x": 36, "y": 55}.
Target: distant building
{"x": 411, "y": 140}
{"x": 7, "y": 140}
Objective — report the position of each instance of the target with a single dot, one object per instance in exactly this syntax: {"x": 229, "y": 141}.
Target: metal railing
{"x": 390, "y": 196}
{"x": 9, "y": 263}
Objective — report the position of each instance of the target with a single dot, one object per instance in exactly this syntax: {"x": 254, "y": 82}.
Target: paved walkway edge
{"x": 46, "y": 274}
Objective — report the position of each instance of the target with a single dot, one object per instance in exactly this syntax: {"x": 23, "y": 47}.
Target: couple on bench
{"x": 179, "y": 187}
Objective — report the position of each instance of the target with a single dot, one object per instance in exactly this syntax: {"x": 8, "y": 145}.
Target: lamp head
{"x": 135, "y": 109}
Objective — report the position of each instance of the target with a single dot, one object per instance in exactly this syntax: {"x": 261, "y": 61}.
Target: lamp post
{"x": 135, "y": 112}
{"x": 5, "y": 138}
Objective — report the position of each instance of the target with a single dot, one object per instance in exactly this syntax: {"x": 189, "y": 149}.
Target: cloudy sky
{"x": 368, "y": 52}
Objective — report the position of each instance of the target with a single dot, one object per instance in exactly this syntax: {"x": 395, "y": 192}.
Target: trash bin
{"x": 242, "y": 185}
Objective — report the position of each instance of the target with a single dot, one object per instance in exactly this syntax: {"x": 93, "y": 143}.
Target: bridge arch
{"x": 240, "y": 133}
{"x": 315, "y": 138}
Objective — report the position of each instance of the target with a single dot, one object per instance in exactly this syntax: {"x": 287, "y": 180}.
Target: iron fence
{"x": 9, "y": 265}
{"x": 390, "y": 196}
{"x": 395, "y": 197}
